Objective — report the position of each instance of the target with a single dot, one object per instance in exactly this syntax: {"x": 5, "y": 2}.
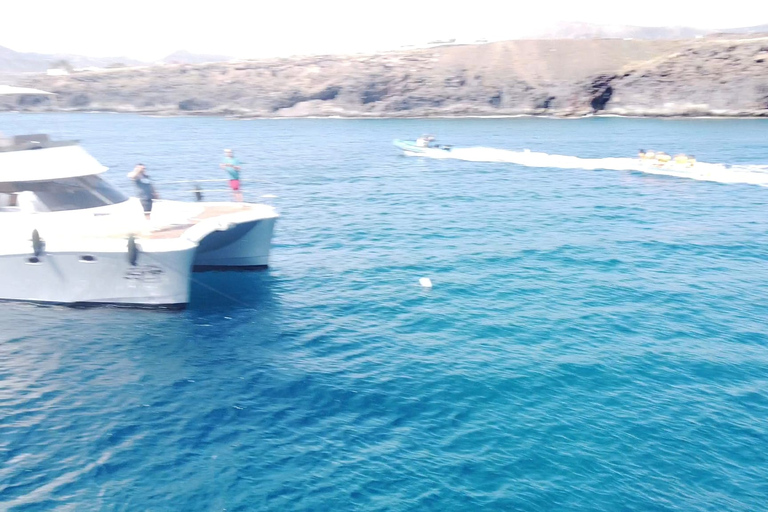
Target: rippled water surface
{"x": 594, "y": 340}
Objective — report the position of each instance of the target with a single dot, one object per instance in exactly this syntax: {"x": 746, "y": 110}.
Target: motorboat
{"x": 69, "y": 237}
{"x": 423, "y": 146}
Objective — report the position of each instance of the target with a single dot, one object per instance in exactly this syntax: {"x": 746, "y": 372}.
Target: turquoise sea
{"x": 595, "y": 338}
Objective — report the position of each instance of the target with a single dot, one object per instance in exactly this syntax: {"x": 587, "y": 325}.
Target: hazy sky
{"x": 152, "y": 29}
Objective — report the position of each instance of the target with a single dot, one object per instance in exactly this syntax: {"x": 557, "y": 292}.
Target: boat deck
{"x": 209, "y": 212}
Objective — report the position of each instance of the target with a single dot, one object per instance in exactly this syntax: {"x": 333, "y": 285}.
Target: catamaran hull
{"x": 243, "y": 246}
{"x": 96, "y": 277}
{"x": 99, "y": 270}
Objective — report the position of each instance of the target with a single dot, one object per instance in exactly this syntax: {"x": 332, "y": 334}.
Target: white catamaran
{"x": 68, "y": 237}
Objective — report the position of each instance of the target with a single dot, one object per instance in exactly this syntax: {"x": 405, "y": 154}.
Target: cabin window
{"x": 71, "y": 193}
{"x": 8, "y": 201}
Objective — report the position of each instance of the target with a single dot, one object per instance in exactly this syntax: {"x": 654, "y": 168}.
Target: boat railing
{"x": 214, "y": 189}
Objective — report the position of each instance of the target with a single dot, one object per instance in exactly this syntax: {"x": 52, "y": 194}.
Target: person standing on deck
{"x": 146, "y": 190}
{"x": 232, "y": 166}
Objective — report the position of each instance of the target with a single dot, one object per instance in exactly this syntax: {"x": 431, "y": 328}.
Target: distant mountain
{"x": 12, "y": 62}
{"x": 579, "y": 30}
{"x": 185, "y": 57}
{"x": 575, "y": 30}
{"x": 758, "y": 29}
{"x": 572, "y": 30}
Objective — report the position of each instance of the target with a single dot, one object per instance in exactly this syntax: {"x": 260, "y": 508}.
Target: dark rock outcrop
{"x": 79, "y": 100}
{"x": 601, "y": 92}
{"x": 545, "y": 103}
{"x": 194, "y": 104}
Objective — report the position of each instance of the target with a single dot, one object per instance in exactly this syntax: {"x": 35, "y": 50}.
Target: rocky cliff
{"x": 711, "y": 76}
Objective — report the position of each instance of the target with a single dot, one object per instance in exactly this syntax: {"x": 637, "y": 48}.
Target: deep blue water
{"x": 595, "y": 340}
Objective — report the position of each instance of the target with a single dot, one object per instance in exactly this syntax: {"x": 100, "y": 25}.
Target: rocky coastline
{"x": 714, "y": 77}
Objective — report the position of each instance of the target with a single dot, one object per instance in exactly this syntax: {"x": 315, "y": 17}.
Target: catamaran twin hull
{"x": 150, "y": 269}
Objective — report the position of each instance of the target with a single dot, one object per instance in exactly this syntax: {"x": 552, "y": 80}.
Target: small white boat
{"x": 423, "y": 146}
{"x": 68, "y": 237}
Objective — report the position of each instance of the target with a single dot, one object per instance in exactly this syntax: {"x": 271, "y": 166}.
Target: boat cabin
{"x": 40, "y": 175}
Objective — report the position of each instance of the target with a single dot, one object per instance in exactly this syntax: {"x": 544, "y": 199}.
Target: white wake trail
{"x": 722, "y": 173}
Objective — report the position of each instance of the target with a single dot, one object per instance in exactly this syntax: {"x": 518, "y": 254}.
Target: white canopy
{"x": 7, "y": 90}
{"x": 47, "y": 164}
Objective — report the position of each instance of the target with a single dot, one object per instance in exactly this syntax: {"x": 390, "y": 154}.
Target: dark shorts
{"x": 234, "y": 184}
{"x": 147, "y": 204}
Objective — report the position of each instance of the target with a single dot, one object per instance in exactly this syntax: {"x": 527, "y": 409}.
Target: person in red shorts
{"x": 232, "y": 166}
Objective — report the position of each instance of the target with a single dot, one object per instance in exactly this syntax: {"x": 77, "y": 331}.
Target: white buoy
{"x": 425, "y": 282}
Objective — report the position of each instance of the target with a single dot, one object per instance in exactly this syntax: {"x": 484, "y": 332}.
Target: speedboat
{"x": 423, "y": 146}
{"x": 69, "y": 237}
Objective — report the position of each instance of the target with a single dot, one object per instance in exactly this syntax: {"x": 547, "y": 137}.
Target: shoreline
{"x": 248, "y": 117}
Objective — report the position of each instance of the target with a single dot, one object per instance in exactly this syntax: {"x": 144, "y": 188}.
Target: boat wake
{"x": 722, "y": 173}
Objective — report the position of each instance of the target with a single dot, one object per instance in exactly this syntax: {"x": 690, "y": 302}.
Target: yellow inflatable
{"x": 661, "y": 158}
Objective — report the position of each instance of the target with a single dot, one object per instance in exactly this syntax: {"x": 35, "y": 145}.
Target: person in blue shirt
{"x": 232, "y": 166}
{"x": 146, "y": 189}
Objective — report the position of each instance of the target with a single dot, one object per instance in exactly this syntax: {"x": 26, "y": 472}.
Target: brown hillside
{"x": 719, "y": 76}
